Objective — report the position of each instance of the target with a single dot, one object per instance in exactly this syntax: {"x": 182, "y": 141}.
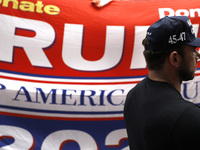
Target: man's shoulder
{"x": 191, "y": 112}
{"x": 153, "y": 87}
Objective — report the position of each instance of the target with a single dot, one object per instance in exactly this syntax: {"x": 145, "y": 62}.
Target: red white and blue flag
{"x": 67, "y": 65}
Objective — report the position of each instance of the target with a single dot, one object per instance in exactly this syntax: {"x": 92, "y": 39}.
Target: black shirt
{"x": 158, "y": 118}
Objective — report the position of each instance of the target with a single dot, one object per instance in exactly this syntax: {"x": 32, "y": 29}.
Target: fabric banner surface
{"x": 67, "y": 65}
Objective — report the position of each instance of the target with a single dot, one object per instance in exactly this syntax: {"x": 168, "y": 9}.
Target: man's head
{"x": 167, "y": 36}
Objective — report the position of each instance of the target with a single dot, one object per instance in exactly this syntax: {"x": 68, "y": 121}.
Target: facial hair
{"x": 185, "y": 71}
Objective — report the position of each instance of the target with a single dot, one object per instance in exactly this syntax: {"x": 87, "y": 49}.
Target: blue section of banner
{"x": 40, "y": 129}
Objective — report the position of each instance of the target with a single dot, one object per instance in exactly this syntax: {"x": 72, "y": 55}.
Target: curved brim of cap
{"x": 195, "y": 42}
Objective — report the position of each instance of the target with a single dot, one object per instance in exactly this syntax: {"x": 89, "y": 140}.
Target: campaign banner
{"x": 67, "y": 65}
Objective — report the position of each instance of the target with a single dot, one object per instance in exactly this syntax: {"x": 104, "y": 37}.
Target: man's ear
{"x": 174, "y": 59}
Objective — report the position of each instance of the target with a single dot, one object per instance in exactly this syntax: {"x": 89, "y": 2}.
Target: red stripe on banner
{"x": 75, "y": 83}
{"x": 197, "y": 74}
{"x": 61, "y": 118}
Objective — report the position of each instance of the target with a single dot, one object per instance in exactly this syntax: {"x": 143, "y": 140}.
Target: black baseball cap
{"x": 171, "y": 32}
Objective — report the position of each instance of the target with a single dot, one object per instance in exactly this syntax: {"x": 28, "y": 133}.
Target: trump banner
{"x": 67, "y": 65}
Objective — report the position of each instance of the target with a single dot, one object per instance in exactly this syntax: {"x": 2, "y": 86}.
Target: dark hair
{"x": 156, "y": 59}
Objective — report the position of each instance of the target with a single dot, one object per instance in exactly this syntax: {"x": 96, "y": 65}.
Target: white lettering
{"x": 72, "y": 47}
{"x": 173, "y": 39}
{"x": 195, "y": 29}
{"x": 22, "y": 138}
{"x": 138, "y": 48}
{"x": 165, "y": 12}
{"x": 194, "y": 11}
{"x": 180, "y": 12}
{"x": 72, "y": 44}
{"x": 115, "y": 138}
{"x": 33, "y": 46}
{"x": 85, "y": 142}
{"x": 189, "y": 23}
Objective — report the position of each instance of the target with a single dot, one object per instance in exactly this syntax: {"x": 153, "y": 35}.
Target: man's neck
{"x": 165, "y": 77}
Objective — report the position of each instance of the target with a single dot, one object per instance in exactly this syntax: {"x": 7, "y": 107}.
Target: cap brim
{"x": 195, "y": 43}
